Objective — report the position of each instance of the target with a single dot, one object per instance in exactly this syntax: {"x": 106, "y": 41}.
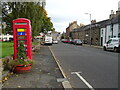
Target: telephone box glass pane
{"x": 20, "y": 23}
{"x": 24, "y": 41}
{"x": 21, "y": 37}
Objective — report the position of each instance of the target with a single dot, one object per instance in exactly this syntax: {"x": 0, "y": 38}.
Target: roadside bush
{"x": 6, "y": 63}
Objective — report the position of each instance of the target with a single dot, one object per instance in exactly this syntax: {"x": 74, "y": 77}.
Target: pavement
{"x": 44, "y": 73}
{"x": 94, "y": 46}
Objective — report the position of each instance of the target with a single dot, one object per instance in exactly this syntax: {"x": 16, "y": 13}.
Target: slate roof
{"x": 101, "y": 24}
{"x": 114, "y": 20}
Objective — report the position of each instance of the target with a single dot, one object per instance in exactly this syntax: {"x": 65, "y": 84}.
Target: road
{"x": 87, "y": 67}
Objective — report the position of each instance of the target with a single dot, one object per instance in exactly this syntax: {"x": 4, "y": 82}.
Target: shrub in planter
{"x": 22, "y": 60}
{"x": 21, "y": 65}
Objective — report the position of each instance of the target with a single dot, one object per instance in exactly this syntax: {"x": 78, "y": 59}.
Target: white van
{"x": 112, "y": 44}
{"x": 48, "y": 39}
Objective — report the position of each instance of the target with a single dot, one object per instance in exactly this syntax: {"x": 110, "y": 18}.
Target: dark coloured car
{"x": 77, "y": 42}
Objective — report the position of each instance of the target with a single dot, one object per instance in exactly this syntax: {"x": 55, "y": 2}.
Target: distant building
{"x": 56, "y": 35}
{"x": 70, "y": 28}
{"x": 39, "y": 37}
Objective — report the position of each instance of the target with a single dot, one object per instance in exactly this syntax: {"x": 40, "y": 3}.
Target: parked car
{"x": 10, "y": 39}
{"x": 78, "y": 42}
{"x": 63, "y": 40}
{"x": 112, "y": 44}
{"x": 55, "y": 41}
{"x": 71, "y": 41}
{"x": 66, "y": 41}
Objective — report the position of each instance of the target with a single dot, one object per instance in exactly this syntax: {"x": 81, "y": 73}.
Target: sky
{"x": 63, "y": 12}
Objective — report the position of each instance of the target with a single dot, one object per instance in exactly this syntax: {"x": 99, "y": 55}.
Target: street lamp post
{"x": 90, "y": 26}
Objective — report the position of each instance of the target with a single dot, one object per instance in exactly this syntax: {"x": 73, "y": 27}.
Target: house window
{"x": 114, "y": 36}
{"x": 102, "y": 32}
{"x": 5, "y": 37}
{"x": 119, "y": 27}
{"x": 119, "y": 35}
{"x": 111, "y": 26}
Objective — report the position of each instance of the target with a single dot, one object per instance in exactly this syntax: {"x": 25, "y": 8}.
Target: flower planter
{"x": 22, "y": 68}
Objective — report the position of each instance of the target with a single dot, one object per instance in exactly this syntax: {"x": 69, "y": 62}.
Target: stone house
{"x": 89, "y": 35}
{"x": 99, "y": 32}
{"x": 70, "y": 28}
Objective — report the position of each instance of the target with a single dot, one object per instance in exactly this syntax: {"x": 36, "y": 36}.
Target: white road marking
{"x": 66, "y": 84}
{"x": 89, "y": 86}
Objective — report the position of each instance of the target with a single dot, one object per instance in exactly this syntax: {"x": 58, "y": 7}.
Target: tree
{"x": 30, "y": 10}
{"x": 63, "y": 35}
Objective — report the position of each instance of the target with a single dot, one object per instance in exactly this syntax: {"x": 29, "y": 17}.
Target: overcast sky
{"x": 62, "y": 12}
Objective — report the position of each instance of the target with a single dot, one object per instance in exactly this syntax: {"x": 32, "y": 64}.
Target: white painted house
{"x": 111, "y": 27}
{"x": 111, "y": 30}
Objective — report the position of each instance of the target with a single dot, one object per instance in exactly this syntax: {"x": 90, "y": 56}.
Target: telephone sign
{"x": 22, "y": 32}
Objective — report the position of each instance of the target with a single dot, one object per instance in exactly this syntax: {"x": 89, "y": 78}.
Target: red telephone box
{"x": 22, "y": 32}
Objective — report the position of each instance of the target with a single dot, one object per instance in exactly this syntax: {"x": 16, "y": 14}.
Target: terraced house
{"x": 112, "y": 29}
{"x": 99, "y": 33}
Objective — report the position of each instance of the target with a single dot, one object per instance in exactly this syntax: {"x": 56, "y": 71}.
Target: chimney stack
{"x": 112, "y": 15}
{"x": 119, "y": 6}
{"x": 118, "y": 12}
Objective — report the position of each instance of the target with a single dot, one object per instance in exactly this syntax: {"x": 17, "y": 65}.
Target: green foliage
{"x": 35, "y": 43}
{"x": 21, "y": 62}
{"x": 63, "y": 36}
{"x": 8, "y": 64}
{"x": 21, "y": 51}
{"x": 30, "y": 10}
{"x": 21, "y": 56}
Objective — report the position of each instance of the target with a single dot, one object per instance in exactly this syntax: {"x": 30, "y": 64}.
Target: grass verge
{"x": 7, "y": 49}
